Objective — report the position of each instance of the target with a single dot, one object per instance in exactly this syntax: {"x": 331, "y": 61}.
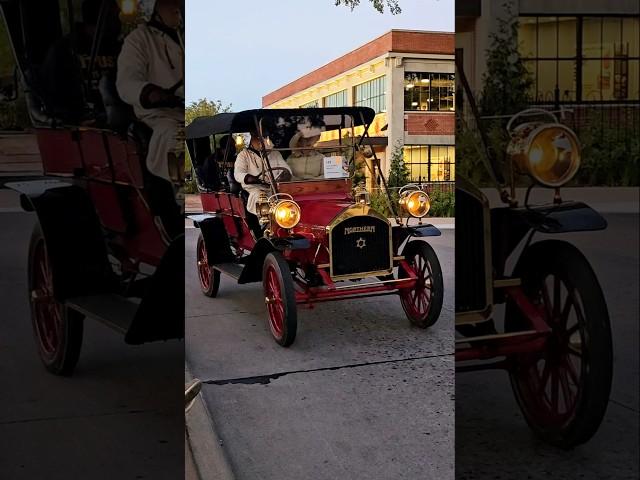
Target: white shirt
{"x": 249, "y": 163}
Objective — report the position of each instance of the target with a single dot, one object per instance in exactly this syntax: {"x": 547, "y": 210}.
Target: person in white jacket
{"x": 249, "y": 170}
{"x": 151, "y": 78}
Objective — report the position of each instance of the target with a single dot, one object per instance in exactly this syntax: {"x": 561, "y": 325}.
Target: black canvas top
{"x": 240, "y": 122}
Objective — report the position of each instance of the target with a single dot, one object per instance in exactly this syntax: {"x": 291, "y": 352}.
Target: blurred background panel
{"x": 547, "y": 151}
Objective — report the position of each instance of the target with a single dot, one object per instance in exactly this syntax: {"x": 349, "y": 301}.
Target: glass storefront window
{"x": 430, "y": 163}
{"x": 338, "y": 99}
{"x": 598, "y": 66}
{"x": 311, "y": 104}
{"x": 429, "y": 91}
{"x": 372, "y": 94}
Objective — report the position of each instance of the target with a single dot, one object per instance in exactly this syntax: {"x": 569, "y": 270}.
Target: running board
{"x": 113, "y": 310}
{"x": 233, "y": 270}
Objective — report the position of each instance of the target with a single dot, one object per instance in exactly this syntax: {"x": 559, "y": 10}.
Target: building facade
{"x": 407, "y": 77}
{"x": 577, "y": 52}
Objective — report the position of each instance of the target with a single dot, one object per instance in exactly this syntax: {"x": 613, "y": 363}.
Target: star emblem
{"x": 361, "y": 243}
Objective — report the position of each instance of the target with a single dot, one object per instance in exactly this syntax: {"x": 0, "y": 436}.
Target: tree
{"x": 399, "y": 174}
{"x": 393, "y": 5}
{"x": 203, "y": 108}
{"x": 506, "y": 82}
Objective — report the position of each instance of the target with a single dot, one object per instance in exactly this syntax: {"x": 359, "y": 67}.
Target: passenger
{"x": 307, "y": 164}
{"x": 249, "y": 171}
{"x": 66, "y": 66}
{"x": 151, "y": 79}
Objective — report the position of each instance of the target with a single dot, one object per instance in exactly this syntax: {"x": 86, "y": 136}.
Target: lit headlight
{"x": 128, "y": 7}
{"x": 286, "y": 213}
{"x": 549, "y": 153}
{"x": 415, "y": 202}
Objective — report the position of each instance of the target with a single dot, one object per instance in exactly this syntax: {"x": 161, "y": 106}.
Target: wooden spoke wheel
{"x": 280, "y": 299}
{"x": 209, "y": 277}
{"x": 57, "y": 330}
{"x": 423, "y": 303}
{"x": 563, "y": 391}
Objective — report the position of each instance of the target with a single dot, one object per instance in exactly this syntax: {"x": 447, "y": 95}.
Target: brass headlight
{"x": 286, "y": 213}
{"x": 550, "y": 153}
{"x": 415, "y": 202}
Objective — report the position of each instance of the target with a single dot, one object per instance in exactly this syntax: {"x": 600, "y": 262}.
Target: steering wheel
{"x": 277, "y": 171}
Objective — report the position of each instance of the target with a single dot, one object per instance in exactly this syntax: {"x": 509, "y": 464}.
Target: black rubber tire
{"x": 65, "y": 358}
{"x": 423, "y": 249}
{"x": 563, "y": 260}
{"x": 210, "y": 289}
{"x": 283, "y": 273}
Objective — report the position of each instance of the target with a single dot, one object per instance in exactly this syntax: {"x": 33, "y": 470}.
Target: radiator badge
{"x": 364, "y": 229}
{"x": 361, "y": 243}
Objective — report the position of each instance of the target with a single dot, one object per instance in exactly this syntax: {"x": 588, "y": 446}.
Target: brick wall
{"x": 393, "y": 41}
{"x": 430, "y": 123}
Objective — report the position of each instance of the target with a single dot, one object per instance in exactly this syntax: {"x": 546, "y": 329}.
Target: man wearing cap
{"x": 151, "y": 79}
{"x": 249, "y": 171}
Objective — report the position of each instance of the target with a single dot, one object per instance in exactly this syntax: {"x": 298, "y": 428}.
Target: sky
{"x": 239, "y": 50}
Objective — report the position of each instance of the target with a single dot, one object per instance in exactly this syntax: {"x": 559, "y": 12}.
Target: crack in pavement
{"x": 266, "y": 379}
{"x": 75, "y": 417}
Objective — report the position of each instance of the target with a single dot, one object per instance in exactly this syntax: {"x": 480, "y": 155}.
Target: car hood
{"x": 320, "y": 212}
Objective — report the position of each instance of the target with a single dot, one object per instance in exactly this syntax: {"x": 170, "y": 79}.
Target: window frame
{"x": 431, "y": 97}
{"x": 579, "y": 58}
{"x": 448, "y": 166}
{"x": 378, "y": 98}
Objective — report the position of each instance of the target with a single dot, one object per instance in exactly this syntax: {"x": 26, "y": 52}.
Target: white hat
{"x": 295, "y": 140}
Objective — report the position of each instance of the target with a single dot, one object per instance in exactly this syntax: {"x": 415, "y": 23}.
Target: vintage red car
{"x": 109, "y": 236}
{"x": 319, "y": 239}
{"x": 554, "y": 338}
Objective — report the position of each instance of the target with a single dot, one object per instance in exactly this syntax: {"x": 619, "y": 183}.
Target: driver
{"x": 249, "y": 171}
{"x": 151, "y": 79}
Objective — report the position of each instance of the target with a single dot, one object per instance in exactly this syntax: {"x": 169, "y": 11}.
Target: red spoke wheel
{"x": 563, "y": 391}
{"x": 57, "y": 330}
{"x": 209, "y": 277}
{"x": 280, "y": 297}
{"x": 423, "y": 303}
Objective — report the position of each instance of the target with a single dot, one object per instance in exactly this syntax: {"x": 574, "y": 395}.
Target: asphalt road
{"x": 360, "y": 395}
{"x": 492, "y": 438}
{"x": 119, "y": 417}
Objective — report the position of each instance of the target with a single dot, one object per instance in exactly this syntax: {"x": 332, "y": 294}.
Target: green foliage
{"x": 399, "y": 174}
{"x": 610, "y": 155}
{"x": 201, "y": 108}
{"x": 443, "y": 204}
{"x": 505, "y": 91}
{"x": 380, "y": 203}
{"x": 393, "y": 5}
{"x": 506, "y": 82}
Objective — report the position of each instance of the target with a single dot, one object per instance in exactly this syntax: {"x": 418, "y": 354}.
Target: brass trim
{"x": 507, "y": 282}
{"x": 476, "y": 316}
{"x": 358, "y": 210}
{"x": 496, "y": 336}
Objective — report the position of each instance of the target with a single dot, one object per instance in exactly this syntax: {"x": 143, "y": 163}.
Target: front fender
{"x": 401, "y": 233}
{"x": 73, "y": 236}
{"x": 562, "y": 218}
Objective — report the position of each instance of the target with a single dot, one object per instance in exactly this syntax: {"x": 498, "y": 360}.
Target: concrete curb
{"x": 206, "y": 447}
